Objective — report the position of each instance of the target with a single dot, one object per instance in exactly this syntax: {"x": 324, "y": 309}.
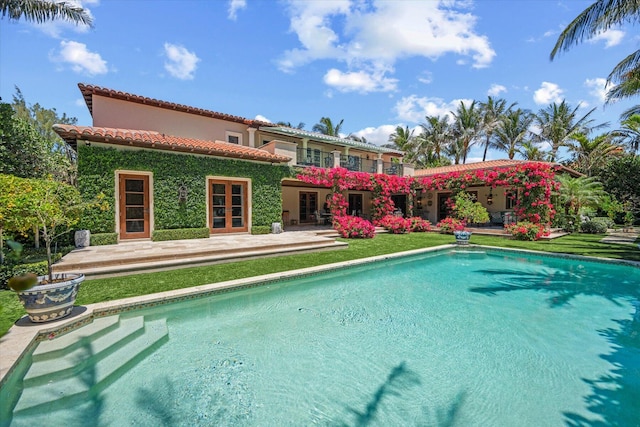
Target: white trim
{"x": 229, "y": 133}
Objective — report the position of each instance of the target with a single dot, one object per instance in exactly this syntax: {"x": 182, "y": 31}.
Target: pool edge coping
{"x": 19, "y": 339}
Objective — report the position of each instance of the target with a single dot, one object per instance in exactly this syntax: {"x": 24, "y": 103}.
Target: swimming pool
{"x": 446, "y": 338}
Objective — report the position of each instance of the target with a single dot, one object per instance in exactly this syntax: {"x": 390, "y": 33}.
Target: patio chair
{"x": 496, "y": 218}
{"x": 319, "y": 218}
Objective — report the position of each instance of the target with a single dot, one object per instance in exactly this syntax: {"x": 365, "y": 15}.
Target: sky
{"x": 375, "y": 64}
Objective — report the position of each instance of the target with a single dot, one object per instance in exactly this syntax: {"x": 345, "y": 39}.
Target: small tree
{"x": 16, "y": 206}
{"x": 57, "y": 208}
{"x": 467, "y": 209}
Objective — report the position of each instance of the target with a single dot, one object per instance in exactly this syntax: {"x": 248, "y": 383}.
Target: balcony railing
{"x": 314, "y": 157}
{"x": 392, "y": 168}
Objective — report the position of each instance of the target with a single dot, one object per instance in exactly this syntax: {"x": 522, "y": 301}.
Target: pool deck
{"x": 146, "y": 256}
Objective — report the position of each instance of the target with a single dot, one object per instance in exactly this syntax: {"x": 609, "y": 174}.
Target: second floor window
{"x": 234, "y": 137}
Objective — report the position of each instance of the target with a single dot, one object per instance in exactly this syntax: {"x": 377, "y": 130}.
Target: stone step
{"x": 82, "y": 353}
{"x": 66, "y": 343}
{"x": 93, "y": 379}
{"x": 130, "y": 264}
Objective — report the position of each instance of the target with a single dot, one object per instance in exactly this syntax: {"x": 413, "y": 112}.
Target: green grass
{"x": 98, "y": 290}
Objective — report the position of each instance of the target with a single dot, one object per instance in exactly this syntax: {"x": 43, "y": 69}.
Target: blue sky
{"x": 375, "y": 64}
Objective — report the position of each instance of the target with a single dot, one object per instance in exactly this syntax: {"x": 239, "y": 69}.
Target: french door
{"x": 134, "y": 206}
{"x": 228, "y": 206}
{"x": 308, "y": 206}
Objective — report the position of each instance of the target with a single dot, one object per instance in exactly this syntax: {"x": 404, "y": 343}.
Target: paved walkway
{"x": 621, "y": 237}
{"x": 127, "y": 257}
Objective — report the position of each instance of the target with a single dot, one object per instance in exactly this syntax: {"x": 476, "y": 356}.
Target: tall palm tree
{"x": 325, "y": 127}
{"x": 577, "y": 193}
{"x": 491, "y": 115}
{"x": 466, "y": 129}
{"x": 557, "y": 123}
{"x": 530, "y": 151}
{"x": 601, "y": 16}
{"x": 630, "y": 132}
{"x": 590, "y": 153}
{"x": 402, "y": 138}
{"x": 513, "y": 131}
{"x": 436, "y": 136}
{"x": 40, "y": 11}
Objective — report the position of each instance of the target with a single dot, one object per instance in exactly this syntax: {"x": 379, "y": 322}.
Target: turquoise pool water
{"x": 443, "y": 339}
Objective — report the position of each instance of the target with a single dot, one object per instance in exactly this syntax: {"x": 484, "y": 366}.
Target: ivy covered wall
{"x": 96, "y": 174}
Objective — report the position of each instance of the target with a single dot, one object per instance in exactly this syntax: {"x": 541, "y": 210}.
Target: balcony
{"x": 392, "y": 168}
{"x": 314, "y": 157}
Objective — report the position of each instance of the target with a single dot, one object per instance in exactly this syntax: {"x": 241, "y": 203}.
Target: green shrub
{"x": 179, "y": 234}
{"x": 100, "y": 239}
{"x": 594, "y": 226}
{"x": 7, "y": 271}
{"x": 260, "y": 229}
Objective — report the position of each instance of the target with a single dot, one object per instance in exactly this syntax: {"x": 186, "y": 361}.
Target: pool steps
{"x": 87, "y": 361}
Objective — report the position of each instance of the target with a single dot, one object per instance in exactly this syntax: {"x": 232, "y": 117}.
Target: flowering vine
{"x": 534, "y": 181}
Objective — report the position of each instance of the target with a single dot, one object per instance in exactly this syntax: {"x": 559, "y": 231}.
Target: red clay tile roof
{"x": 157, "y": 140}
{"x": 490, "y": 164}
{"x": 89, "y": 90}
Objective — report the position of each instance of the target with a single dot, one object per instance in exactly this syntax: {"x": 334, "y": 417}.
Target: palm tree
{"x": 466, "y": 128}
{"x": 402, "y": 138}
{"x": 590, "y": 153}
{"x": 436, "y": 136}
{"x": 325, "y": 127}
{"x": 558, "y": 123}
{"x": 630, "y": 132}
{"x": 289, "y": 125}
{"x": 577, "y": 193}
{"x": 491, "y": 115}
{"x": 40, "y": 11}
{"x": 529, "y": 151}
{"x": 513, "y": 131}
{"x": 596, "y": 19}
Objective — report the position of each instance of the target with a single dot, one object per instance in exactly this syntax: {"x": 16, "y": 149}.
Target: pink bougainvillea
{"x": 396, "y": 224}
{"x": 353, "y": 227}
{"x": 525, "y": 230}
{"x": 449, "y": 225}
{"x": 534, "y": 180}
{"x": 419, "y": 225}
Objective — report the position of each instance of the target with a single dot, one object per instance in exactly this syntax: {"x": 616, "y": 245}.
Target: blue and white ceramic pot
{"x": 462, "y": 237}
{"x": 53, "y": 301}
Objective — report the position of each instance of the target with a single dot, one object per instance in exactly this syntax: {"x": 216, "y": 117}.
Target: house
{"x": 499, "y": 200}
{"x": 167, "y": 166}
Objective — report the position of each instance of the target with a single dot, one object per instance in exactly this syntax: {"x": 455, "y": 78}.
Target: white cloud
{"x": 548, "y": 93}
{"x": 496, "y": 90}
{"x": 597, "y": 88}
{"x": 80, "y": 59}
{"x": 414, "y": 109}
{"x": 80, "y": 102}
{"x": 262, "y": 118}
{"x": 359, "y": 81}
{"x": 234, "y": 7}
{"x": 180, "y": 63}
{"x": 426, "y": 77}
{"x": 611, "y": 38}
{"x": 377, "y": 34}
{"x": 378, "y": 135}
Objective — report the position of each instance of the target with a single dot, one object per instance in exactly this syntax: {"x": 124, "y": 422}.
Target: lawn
{"x": 98, "y": 290}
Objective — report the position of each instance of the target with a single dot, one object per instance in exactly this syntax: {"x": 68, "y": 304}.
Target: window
{"x": 512, "y": 196}
{"x": 234, "y": 137}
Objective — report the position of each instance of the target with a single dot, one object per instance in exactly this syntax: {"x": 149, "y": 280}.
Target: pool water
{"x": 456, "y": 338}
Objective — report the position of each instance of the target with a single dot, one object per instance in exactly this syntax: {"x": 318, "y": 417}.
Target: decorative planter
{"x": 462, "y": 237}
{"x": 53, "y": 301}
{"x": 82, "y": 238}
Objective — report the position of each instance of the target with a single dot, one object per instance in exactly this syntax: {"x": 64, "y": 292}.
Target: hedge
{"x": 179, "y": 234}
{"x": 96, "y": 173}
{"x": 261, "y": 229}
{"x": 100, "y": 239}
